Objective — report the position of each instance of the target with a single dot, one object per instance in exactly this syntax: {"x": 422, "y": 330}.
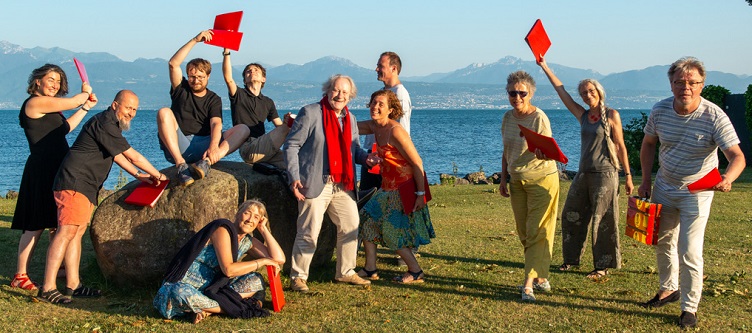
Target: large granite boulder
{"x": 134, "y": 245}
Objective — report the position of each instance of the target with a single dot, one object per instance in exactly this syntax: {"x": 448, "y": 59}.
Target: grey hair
{"x": 611, "y": 147}
{"x": 329, "y": 85}
{"x": 685, "y": 64}
{"x": 521, "y": 77}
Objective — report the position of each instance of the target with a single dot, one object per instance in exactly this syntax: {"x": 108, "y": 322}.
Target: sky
{"x": 431, "y": 36}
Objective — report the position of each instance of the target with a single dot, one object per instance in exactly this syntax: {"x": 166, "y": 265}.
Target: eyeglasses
{"x": 197, "y": 77}
{"x": 692, "y": 84}
{"x": 515, "y": 93}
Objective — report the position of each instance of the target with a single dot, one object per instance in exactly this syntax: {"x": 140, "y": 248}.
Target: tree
{"x": 749, "y": 2}
{"x": 633, "y": 135}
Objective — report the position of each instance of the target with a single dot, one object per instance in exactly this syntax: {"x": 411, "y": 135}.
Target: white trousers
{"x": 681, "y": 236}
{"x": 343, "y": 210}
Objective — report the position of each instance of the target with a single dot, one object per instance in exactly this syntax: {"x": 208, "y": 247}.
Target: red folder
{"x": 707, "y": 182}
{"x": 275, "y": 286}
{"x": 146, "y": 194}
{"x": 81, "y": 70}
{"x": 407, "y": 194}
{"x": 538, "y": 40}
{"x": 225, "y": 30}
{"x": 547, "y": 145}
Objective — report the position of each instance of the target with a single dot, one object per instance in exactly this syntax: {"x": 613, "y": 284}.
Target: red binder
{"x": 81, "y": 70}
{"x": 225, "y": 30}
{"x": 275, "y": 286}
{"x": 546, "y": 144}
{"x": 538, "y": 40}
{"x": 706, "y": 182}
{"x": 146, "y": 194}
{"x": 407, "y": 194}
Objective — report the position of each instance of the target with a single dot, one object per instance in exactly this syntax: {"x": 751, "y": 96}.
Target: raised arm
{"x": 41, "y": 105}
{"x": 576, "y": 109}
{"x": 617, "y": 135}
{"x": 269, "y": 248}
{"x": 176, "y": 74}
{"x": 232, "y": 87}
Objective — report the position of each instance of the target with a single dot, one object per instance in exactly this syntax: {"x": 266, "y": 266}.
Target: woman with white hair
{"x": 593, "y": 198}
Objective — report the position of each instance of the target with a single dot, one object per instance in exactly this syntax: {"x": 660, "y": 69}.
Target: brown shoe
{"x": 298, "y": 284}
{"x": 353, "y": 279}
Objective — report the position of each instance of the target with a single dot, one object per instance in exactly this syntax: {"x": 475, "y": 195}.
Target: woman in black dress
{"x": 45, "y": 128}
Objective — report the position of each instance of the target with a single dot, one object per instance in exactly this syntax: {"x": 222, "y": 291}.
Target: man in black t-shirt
{"x": 190, "y": 131}
{"x": 77, "y": 184}
{"x": 250, "y": 107}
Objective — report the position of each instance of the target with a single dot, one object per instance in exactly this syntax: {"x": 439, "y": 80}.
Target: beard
{"x": 124, "y": 125}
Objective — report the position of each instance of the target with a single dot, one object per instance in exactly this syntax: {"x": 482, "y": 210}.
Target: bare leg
{"x": 56, "y": 253}
{"x": 26, "y": 246}
{"x": 167, "y": 128}
{"x": 370, "y": 249}
{"x": 278, "y": 135}
{"x": 233, "y": 138}
{"x": 412, "y": 264}
{"x": 73, "y": 259}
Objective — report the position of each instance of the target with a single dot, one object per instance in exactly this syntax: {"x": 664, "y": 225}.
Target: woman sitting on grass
{"x": 383, "y": 219}
{"x": 205, "y": 276}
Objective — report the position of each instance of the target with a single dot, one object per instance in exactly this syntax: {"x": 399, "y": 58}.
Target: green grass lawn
{"x": 472, "y": 268}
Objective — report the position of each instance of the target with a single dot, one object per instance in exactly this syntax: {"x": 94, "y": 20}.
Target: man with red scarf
{"x": 320, "y": 150}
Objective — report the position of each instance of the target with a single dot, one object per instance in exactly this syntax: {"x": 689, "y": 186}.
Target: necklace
{"x": 594, "y": 117}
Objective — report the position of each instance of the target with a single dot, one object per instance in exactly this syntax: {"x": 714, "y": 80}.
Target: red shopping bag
{"x": 643, "y": 219}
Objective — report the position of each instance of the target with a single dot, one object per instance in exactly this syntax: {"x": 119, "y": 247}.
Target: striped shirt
{"x": 521, "y": 163}
{"x": 689, "y": 143}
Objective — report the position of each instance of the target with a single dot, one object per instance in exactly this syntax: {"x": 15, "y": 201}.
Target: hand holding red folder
{"x": 547, "y": 145}
{"x": 147, "y": 194}
{"x": 707, "y": 182}
{"x": 407, "y": 194}
{"x": 226, "y": 34}
{"x": 538, "y": 40}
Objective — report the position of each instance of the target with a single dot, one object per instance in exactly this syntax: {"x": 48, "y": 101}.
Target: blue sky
{"x": 430, "y": 36}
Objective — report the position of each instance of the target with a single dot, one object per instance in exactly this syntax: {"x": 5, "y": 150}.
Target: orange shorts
{"x": 73, "y": 208}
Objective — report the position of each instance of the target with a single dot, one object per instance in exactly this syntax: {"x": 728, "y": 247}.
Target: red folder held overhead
{"x": 547, "y": 145}
{"x": 226, "y": 31}
{"x": 407, "y": 194}
{"x": 706, "y": 182}
{"x": 275, "y": 286}
{"x": 538, "y": 40}
{"x": 81, "y": 70}
{"x": 146, "y": 194}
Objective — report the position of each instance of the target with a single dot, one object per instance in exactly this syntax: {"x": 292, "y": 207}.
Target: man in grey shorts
{"x": 250, "y": 107}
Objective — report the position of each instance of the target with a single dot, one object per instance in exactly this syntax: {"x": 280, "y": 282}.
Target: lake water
{"x": 467, "y": 139}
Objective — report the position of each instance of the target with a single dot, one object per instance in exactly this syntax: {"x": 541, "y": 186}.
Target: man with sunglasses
{"x": 690, "y": 130}
{"x": 250, "y": 107}
{"x": 190, "y": 131}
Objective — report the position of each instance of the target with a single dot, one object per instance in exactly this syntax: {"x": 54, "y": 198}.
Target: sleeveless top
{"x": 594, "y": 155}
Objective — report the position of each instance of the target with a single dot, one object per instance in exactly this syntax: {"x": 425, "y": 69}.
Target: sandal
{"x": 413, "y": 277}
{"x": 82, "y": 292}
{"x": 52, "y": 296}
{"x": 22, "y": 281}
{"x": 369, "y": 275}
{"x": 566, "y": 267}
{"x": 597, "y": 274}
{"x": 199, "y": 316}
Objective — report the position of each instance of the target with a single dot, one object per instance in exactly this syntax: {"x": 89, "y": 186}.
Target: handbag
{"x": 643, "y": 219}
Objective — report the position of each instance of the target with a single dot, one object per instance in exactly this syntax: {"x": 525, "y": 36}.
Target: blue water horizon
{"x": 448, "y": 141}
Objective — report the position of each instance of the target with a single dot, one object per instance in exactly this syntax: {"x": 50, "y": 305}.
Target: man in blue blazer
{"x": 320, "y": 151}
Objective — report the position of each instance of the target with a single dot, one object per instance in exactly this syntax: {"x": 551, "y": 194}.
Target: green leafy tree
{"x": 716, "y": 94}
{"x": 748, "y": 101}
{"x": 633, "y": 134}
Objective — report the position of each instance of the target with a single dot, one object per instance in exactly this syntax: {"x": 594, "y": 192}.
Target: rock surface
{"x": 134, "y": 245}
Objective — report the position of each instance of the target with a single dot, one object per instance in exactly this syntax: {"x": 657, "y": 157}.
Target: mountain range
{"x": 477, "y": 86}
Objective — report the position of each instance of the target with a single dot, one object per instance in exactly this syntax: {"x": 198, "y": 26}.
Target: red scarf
{"x": 338, "y": 146}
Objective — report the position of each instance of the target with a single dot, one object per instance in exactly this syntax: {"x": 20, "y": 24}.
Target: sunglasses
{"x": 515, "y": 93}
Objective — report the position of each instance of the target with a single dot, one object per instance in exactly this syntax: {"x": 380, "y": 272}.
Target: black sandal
{"x": 417, "y": 278}
{"x": 369, "y": 275}
{"x": 82, "y": 292}
{"x": 566, "y": 267}
{"x": 52, "y": 296}
{"x": 597, "y": 274}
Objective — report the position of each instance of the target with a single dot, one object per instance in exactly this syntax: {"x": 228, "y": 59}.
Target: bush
{"x": 716, "y": 94}
{"x": 633, "y": 134}
{"x": 748, "y": 106}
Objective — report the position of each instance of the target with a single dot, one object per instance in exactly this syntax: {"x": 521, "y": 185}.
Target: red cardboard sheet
{"x": 226, "y": 32}
{"x": 547, "y": 145}
{"x": 81, "y": 70}
{"x": 706, "y": 182}
{"x": 275, "y": 286}
{"x": 538, "y": 40}
{"x": 146, "y": 194}
{"x": 407, "y": 194}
